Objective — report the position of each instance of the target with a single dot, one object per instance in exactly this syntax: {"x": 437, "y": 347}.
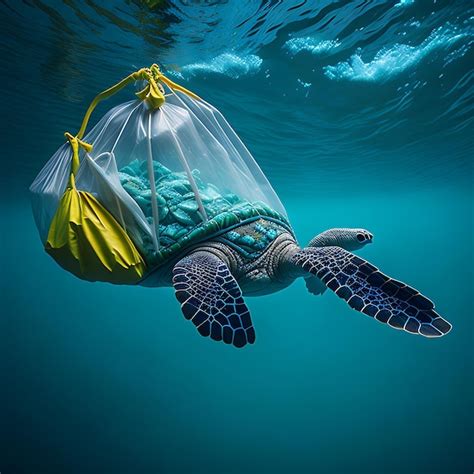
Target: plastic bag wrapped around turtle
{"x": 154, "y": 176}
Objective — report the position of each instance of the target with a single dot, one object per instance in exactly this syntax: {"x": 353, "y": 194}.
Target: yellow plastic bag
{"x": 86, "y": 240}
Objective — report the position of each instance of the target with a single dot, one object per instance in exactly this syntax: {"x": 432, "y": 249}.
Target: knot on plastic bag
{"x": 153, "y": 93}
{"x": 75, "y": 144}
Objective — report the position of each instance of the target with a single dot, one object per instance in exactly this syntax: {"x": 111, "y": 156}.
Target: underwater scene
{"x": 309, "y": 116}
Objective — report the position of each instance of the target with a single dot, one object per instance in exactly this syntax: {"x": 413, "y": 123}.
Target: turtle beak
{"x": 364, "y": 237}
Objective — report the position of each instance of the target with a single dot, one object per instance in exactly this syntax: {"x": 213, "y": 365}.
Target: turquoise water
{"x": 360, "y": 114}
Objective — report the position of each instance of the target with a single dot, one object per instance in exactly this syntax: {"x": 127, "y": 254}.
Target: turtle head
{"x": 362, "y": 236}
{"x": 348, "y": 239}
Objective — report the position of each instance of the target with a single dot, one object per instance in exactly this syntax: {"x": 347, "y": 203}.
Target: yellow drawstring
{"x": 159, "y": 76}
{"x": 152, "y": 93}
{"x": 75, "y": 143}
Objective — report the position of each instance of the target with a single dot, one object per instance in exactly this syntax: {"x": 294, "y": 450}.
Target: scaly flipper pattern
{"x": 211, "y": 298}
{"x": 368, "y": 290}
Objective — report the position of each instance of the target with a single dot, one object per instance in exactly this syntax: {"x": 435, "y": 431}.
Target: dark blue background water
{"x": 361, "y": 114}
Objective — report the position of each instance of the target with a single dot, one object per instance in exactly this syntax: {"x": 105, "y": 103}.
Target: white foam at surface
{"x": 310, "y": 44}
{"x": 390, "y": 62}
{"x": 227, "y": 64}
{"x": 404, "y": 3}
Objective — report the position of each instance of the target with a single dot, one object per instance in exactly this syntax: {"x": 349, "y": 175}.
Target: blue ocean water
{"x": 361, "y": 115}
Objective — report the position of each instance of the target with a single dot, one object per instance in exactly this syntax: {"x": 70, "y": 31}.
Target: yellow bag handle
{"x": 75, "y": 143}
{"x": 151, "y": 93}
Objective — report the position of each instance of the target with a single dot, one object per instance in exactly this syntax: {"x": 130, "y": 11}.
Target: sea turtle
{"x": 246, "y": 248}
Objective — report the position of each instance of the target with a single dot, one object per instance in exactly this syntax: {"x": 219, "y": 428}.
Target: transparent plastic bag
{"x": 170, "y": 175}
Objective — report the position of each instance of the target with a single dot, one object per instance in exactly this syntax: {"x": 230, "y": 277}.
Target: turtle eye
{"x": 360, "y": 237}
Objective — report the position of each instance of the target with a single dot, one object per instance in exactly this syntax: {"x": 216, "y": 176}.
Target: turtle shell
{"x": 180, "y": 222}
{"x": 252, "y": 239}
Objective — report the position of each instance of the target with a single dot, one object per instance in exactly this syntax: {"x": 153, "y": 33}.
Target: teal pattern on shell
{"x": 252, "y": 239}
{"x": 180, "y": 221}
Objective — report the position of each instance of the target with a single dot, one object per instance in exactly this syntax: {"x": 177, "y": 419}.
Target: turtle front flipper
{"x": 368, "y": 290}
{"x": 211, "y": 298}
{"x": 348, "y": 239}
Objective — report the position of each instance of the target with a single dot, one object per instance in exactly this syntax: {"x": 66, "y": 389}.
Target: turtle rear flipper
{"x": 212, "y": 299}
{"x": 368, "y": 290}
